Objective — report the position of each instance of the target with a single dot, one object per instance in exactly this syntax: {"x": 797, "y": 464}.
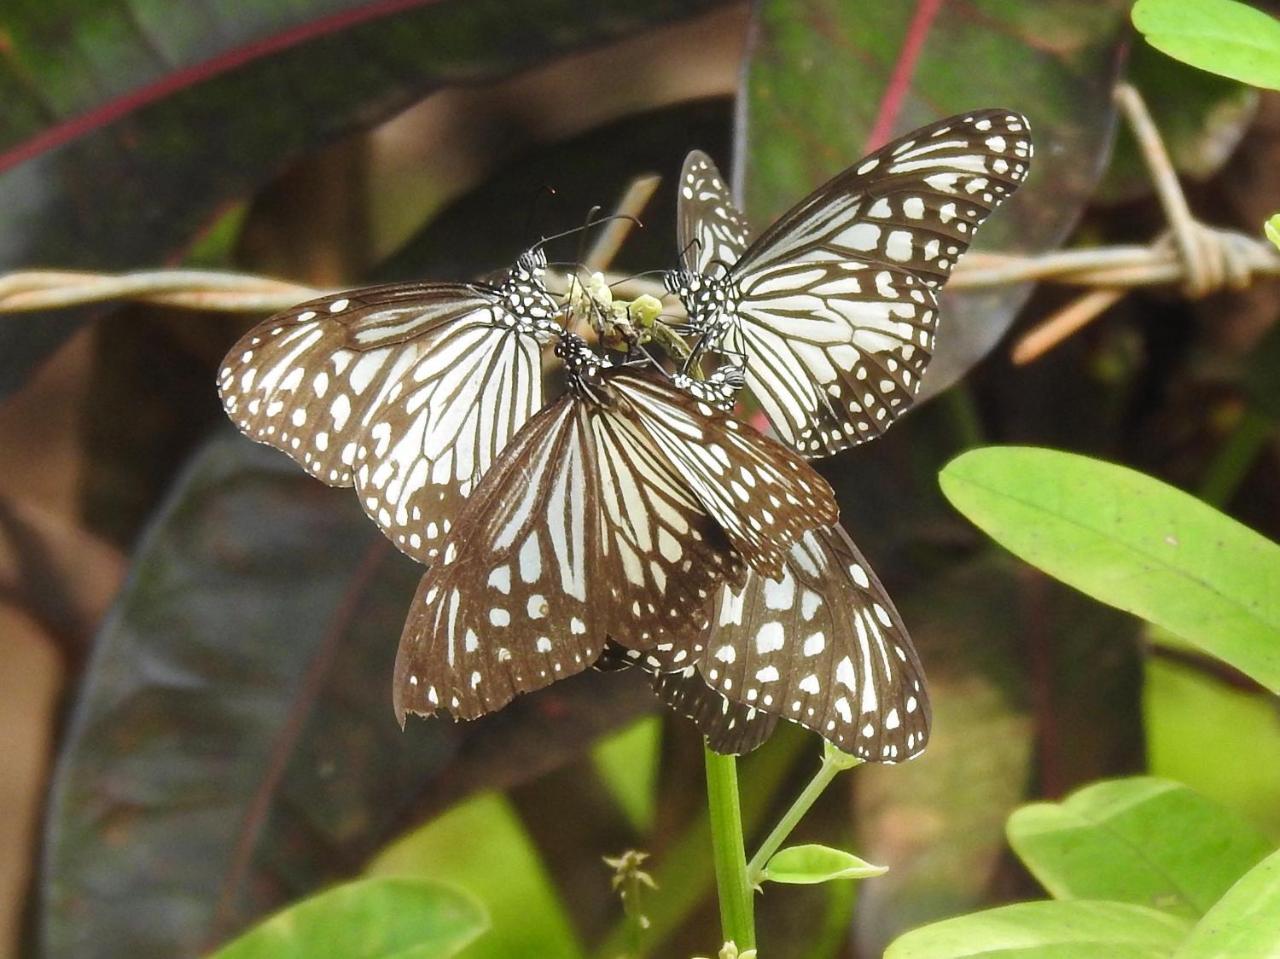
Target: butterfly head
{"x": 531, "y": 265}
{"x": 527, "y": 299}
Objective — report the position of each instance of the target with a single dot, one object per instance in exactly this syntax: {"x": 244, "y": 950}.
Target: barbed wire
{"x": 1198, "y": 258}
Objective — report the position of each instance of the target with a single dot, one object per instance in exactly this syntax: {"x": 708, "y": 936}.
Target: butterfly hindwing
{"x": 729, "y": 727}
{"x": 823, "y": 647}
{"x": 711, "y": 231}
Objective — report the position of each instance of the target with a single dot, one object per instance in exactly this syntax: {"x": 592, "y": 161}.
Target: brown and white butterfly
{"x": 406, "y": 392}
{"x": 833, "y": 309}
{"x": 615, "y": 513}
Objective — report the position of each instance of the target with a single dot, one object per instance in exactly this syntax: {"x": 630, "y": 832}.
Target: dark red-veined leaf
{"x": 233, "y": 744}
{"x": 126, "y": 128}
{"x": 827, "y": 81}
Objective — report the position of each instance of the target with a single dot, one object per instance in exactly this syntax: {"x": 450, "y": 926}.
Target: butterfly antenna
{"x": 545, "y": 190}
{"x": 586, "y": 226}
{"x": 582, "y": 240}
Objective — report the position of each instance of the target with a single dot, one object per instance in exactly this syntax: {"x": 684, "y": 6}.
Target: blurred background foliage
{"x": 197, "y": 639}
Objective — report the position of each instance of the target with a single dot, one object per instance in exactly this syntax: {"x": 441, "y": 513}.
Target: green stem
{"x": 737, "y": 918}
{"x": 1229, "y": 467}
{"x": 790, "y": 819}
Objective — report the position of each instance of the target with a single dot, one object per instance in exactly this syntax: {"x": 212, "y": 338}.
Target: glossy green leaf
{"x": 128, "y": 127}
{"x": 1222, "y": 36}
{"x": 1272, "y": 229}
{"x": 1143, "y": 840}
{"x": 1079, "y": 929}
{"x": 826, "y": 78}
{"x": 1133, "y": 542}
{"x": 1246, "y": 921}
{"x": 813, "y": 863}
{"x": 1193, "y": 720}
{"x": 367, "y": 919}
{"x": 233, "y": 746}
{"x": 481, "y": 847}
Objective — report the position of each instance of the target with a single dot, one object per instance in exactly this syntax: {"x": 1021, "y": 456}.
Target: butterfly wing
{"x": 838, "y": 298}
{"x": 730, "y": 727}
{"x": 824, "y": 647}
{"x": 711, "y": 230}
{"x": 580, "y": 531}
{"x": 760, "y": 493}
{"x": 406, "y": 392}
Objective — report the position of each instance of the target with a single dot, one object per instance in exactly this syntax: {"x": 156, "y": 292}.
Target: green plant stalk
{"x": 737, "y": 910}
{"x": 685, "y": 874}
{"x": 832, "y": 766}
{"x": 1236, "y": 457}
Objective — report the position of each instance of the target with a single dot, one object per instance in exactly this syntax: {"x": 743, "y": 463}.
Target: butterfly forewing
{"x": 711, "y": 230}
{"x": 405, "y": 392}
{"x": 914, "y": 203}
{"x": 823, "y": 647}
{"x": 506, "y": 610}
{"x": 760, "y": 493}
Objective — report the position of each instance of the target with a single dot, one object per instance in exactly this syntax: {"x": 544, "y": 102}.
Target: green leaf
{"x": 482, "y": 847}
{"x": 814, "y": 863}
{"x": 1145, "y": 841}
{"x": 627, "y": 763}
{"x": 1245, "y": 922}
{"x": 825, "y": 76}
{"x": 1047, "y": 930}
{"x": 1193, "y": 720}
{"x": 367, "y": 919}
{"x": 1222, "y": 36}
{"x": 1272, "y": 229}
{"x": 1133, "y": 542}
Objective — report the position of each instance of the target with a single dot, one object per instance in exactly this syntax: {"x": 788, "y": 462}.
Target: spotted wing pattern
{"x": 580, "y": 531}
{"x": 711, "y": 230}
{"x": 730, "y": 727}
{"x": 760, "y": 493}
{"x": 405, "y": 392}
{"x": 835, "y": 305}
{"x": 823, "y": 647}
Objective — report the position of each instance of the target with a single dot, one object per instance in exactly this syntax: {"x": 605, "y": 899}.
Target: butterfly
{"x": 615, "y": 513}
{"x": 833, "y": 309}
{"x": 407, "y": 392}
